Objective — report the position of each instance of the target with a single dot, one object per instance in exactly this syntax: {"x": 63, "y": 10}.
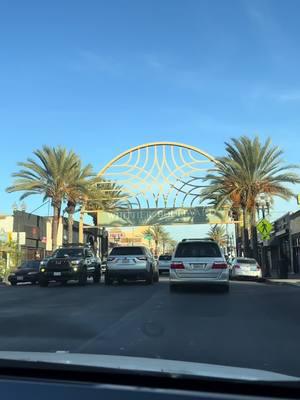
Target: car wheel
{"x": 13, "y": 283}
{"x": 97, "y": 276}
{"x": 107, "y": 280}
{"x": 82, "y": 278}
{"x": 64, "y": 283}
{"x": 44, "y": 283}
{"x": 120, "y": 281}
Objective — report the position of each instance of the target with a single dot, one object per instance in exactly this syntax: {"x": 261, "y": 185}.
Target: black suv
{"x": 72, "y": 262}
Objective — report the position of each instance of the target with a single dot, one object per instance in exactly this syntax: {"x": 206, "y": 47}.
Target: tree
{"x": 158, "y": 234}
{"x": 250, "y": 168}
{"x": 48, "y": 175}
{"x": 218, "y": 233}
{"x": 79, "y": 185}
{"x": 104, "y": 196}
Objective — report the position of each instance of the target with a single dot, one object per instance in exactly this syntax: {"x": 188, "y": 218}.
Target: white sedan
{"x": 245, "y": 268}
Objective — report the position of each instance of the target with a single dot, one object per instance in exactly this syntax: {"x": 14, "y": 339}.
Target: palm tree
{"x": 104, "y": 196}
{"x": 250, "y": 168}
{"x": 218, "y": 233}
{"x": 158, "y": 234}
{"x": 47, "y": 175}
{"x": 80, "y": 181}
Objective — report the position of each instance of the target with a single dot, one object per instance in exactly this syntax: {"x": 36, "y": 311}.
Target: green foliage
{"x": 249, "y": 169}
{"x": 218, "y": 233}
{"x": 10, "y": 258}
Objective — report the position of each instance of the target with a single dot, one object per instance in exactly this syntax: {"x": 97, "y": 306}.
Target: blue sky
{"x": 102, "y": 76}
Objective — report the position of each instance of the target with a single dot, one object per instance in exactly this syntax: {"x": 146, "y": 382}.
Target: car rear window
{"x": 127, "y": 251}
{"x": 198, "y": 249}
{"x": 165, "y": 258}
{"x": 246, "y": 261}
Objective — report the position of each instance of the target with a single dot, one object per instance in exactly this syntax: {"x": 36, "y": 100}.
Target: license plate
{"x": 19, "y": 278}
{"x": 56, "y": 273}
{"x": 125, "y": 261}
{"x": 199, "y": 266}
{"x": 253, "y": 269}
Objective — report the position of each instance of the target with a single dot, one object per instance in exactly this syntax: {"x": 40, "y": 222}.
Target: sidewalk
{"x": 293, "y": 279}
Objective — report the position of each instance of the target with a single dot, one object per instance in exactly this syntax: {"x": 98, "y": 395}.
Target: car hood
{"x": 150, "y": 365}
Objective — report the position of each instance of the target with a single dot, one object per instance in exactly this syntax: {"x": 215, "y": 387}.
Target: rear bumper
{"x": 221, "y": 279}
{"x": 127, "y": 273}
{"x": 31, "y": 279}
{"x": 254, "y": 274}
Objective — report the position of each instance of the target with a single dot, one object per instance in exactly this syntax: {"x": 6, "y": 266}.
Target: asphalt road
{"x": 256, "y": 325}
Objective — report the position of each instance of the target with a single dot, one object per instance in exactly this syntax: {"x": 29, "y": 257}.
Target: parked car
{"x": 164, "y": 262}
{"x": 131, "y": 263}
{"x": 28, "y": 271}
{"x": 198, "y": 261}
{"x": 72, "y": 262}
{"x": 246, "y": 268}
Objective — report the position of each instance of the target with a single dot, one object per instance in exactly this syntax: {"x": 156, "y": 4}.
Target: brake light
{"x": 142, "y": 258}
{"x": 237, "y": 266}
{"x": 219, "y": 265}
{"x": 177, "y": 265}
{"x": 110, "y": 258}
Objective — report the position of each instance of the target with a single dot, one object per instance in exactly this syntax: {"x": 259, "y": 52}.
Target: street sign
{"x": 264, "y": 227}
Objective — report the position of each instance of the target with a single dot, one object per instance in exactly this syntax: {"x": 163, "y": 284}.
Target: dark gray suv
{"x": 72, "y": 262}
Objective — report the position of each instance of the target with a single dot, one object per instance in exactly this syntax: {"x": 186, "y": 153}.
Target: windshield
{"x": 30, "y": 264}
{"x": 69, "y": 253}
{"x": 165, "y": 258}
{"x": 126, "y": 251}
{"x": 150, "y": 176}
{"x": 197, "y": 249}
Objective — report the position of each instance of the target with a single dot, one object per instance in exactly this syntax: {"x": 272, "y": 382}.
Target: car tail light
{"x": 237, "y": 266}
{"x": 177, "y": 265}
{"x": 142, "y": 258}
{"x": 110, "y": 258}
{"x": 219, "y": 265}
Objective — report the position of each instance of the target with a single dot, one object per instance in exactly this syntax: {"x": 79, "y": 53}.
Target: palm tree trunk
{"x": 71, "y": 211}
{"x": 55, "y": 222}
{"x": 156, "y": 247}
{"x": 70, "y": 227}
{"x": 245, "y": 234}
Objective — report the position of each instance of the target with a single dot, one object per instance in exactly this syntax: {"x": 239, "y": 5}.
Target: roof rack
{"x": 199, "y": 239}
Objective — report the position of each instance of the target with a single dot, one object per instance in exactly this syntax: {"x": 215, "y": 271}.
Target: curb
{"x": 283, "y": 283}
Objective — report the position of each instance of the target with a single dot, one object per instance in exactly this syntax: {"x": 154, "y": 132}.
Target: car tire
{"x": 44, "y": 283}
{"x": 82, "y": 278}
{"x": 97, "y": 276}
{"x": 13, "y": 283}
{"x": 120, "y": 281}
{"x": 107, "y": 280}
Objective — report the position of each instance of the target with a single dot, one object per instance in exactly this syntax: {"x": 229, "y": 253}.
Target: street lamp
{"x": 263, "y": 202}
{"x": 263, "y": 205}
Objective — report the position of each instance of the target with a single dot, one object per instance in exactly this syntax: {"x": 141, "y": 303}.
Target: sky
{"x": 101, "y": 76}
